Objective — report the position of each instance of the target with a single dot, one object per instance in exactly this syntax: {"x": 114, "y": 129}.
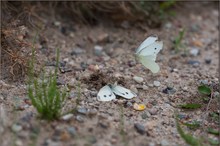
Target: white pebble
{"x": 67, "y": 117}
{"x": 194, "y": 51}
{"x": 145, "y": 87}
{"x": 156, "y": 83}
{"x": 138, "y": 79}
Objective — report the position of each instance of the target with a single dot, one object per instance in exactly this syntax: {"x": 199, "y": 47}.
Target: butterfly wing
{"x": 123, "y": 92}
{"x": 152, "y": 49}
{"x": 149, "y": 62}
{"x": 105, "y": 94}
{"x": 147, "y": 42}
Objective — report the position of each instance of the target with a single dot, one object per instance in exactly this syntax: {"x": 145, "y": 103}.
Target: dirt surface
{"x": 101, "y": 122}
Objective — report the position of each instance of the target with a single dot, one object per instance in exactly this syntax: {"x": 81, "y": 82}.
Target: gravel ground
{"x": 83, "y": 48}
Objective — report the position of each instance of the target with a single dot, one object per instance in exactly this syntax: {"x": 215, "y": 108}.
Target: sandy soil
{"x": 101, "y": 123}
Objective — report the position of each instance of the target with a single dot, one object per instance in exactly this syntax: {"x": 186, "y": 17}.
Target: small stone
{"x": 208, "y": 60}
{"x": 71, "y": 83}
{"x": 92, "y": 112}
{"x": 169, "y": 90}
{"x": 72, "y": 95}
{"x": 72, "y": 131}
{"x": 164, "y": 142}
{"x": 168, "y": 25}
{"x": 82, "y": 110}
{"x": 103, "y": 125}
{"x": 67, "y": 117}
{"x": 103, "y": 38}
{"x": 79, "y": 118}
{"x": 194, "y": 51}
{"x": 185, "y": 89}
{"x": 205, "y": 82}
{"x": 140, "y": 128}
{"x": 144, "y": 115}
{"x": 150, "y": 85}
{"x": 18, "y": 143}
{"x": 138, "y": 79}
{"x": 98, "y": 50}
{"x": 194, "y": 28}
{"x": 156, "y": 83}
{"x": 125, "y": 24}
{"x": 92, "y": 139}
{"x": 194, "y": 63}
{"x": 134, "y": 89}
{"x": 65, "y": 136}
{"x": 16, "y": 128}
{"x": 57, "y": 23}
{"x": 151, "y": 144}
{"x": 145, "y": 87}
{"x": 128, "y": 104}
{"x": 77, "y": 51}
{"x": 153, "y": 111}
{"x": 216, "y": 94}
{"x": 83, "y": 65}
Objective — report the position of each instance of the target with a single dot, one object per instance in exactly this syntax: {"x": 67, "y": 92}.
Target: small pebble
{"x": 153, "y": 111}
{"x": 82, "y": 110}
{"x": 92, "y": 112}
{"x": 67, "y": 117}
{"x": 128, "y": 104}
{"x": 134, "y": 89}
{"x": 72, "y": 95}
{"x": 79, "y": 118}
{"x": 145, "y": 87}
{"x": 144, "y": 115}
{"x": 150, "y": 85}
{"x": 98, "y": 50}
{"x": 208, "y": 60}
{"x": 16, "y": 128}
{"x": 194, "y": 63}
{"x": 139, "y": 128}
{"x": 216, "y": 94}
{"x": 164, "y": 142}
{"x": 92, "y": 139}
{"x": 168, "y": 25}
{"x": 169, "y": 90}
{"x": 194, "y": 51}
{"x": 72, "y": 131}
{"x": 18, "y": 143}
{"x": 205, "y": 82}
{"x": 194, "y": 28}
{"x": 156, "y": 83}
{"x": 103, "y": 38}
{"x": 77, "y": 51}
{"x": 125, "y": 24}
{"x": 138, "y": 79}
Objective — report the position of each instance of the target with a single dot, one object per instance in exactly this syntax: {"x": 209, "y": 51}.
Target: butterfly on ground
{"x": 108, "y": 92}
{"x": 147, "y": 53}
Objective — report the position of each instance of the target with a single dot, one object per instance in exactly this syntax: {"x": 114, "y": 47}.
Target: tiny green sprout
{"x": 178, "y": 41}
{"x": 188, "y": 138}
{"x": 203, "y": 89}
{"x": 190, "y": 106}
{"x": 213, "y": 131}
{"x": 214, "y": 142}
{"x": 193, "y": 126}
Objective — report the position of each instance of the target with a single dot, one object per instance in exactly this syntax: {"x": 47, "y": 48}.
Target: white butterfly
{"x": 107, "y": 93}
{"x": 147, "y": 53}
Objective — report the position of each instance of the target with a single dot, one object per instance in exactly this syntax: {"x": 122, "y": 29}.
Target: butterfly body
{"x": 147, "y": 53}
{"x": 108, "y": 92}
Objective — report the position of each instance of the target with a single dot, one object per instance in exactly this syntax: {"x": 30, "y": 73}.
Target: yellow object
{"x": 139, "y": 107}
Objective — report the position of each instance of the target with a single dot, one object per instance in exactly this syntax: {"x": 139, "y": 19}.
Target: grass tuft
{"x": 44, "y": 94}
